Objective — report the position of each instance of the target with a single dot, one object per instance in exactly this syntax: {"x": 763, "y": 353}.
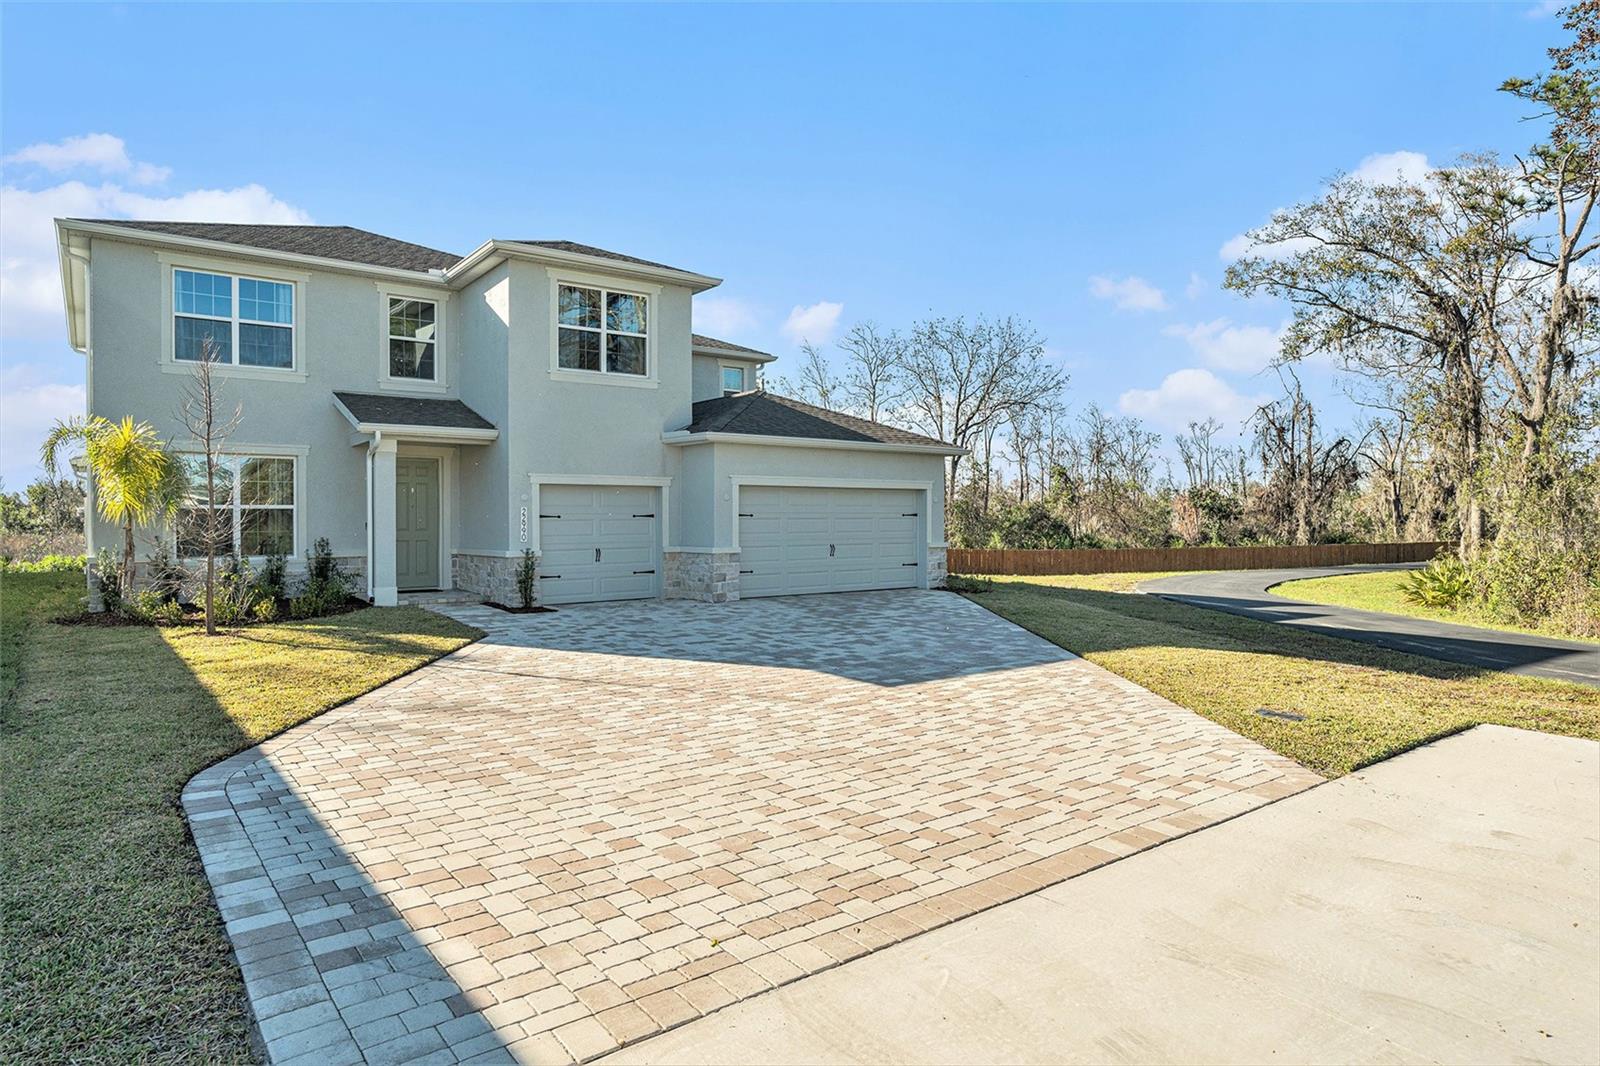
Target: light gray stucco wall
{"x": 707, "y": 381}
{"x": 340, "y": 318}
{"x": 486, "y": 481}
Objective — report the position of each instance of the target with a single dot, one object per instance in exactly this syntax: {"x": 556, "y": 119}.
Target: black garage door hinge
{"x": 549, "y": 577}
{"x": 908, "y": 564}
{"x": 746, "y": 514}
{"x": 549, "y": 516}
{"x": 747, "y": 571}
{"x": 644, "y": 571}
{"x": 644, "y": 516}
{"x": 908, "y": 514}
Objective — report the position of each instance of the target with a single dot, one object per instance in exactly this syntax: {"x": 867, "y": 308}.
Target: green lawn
{"x": 112, "y": 950}
{"x": 1380, "y": 591}
{"x": 1361, "y": 703}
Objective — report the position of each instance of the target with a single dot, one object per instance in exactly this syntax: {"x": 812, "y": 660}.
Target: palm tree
{"x": 135, "y": 481}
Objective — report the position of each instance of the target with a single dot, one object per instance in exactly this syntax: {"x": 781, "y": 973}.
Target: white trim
{"x": 701, "y": 551}
{"x": 664, "y": 484}
{"x": 724, "y": 353}
{"x": 651, "y": 378}
{"x": 446, "y": 458}
{"x": 495, "y": 554}
{"x": 927, "y": 488}
{"x": 484, "y": 257}
{"x": 420, "y": 434}
{"x": 441, "y": 313}
{"x": 683, "y": 438}
{"x": 172, "y": 263}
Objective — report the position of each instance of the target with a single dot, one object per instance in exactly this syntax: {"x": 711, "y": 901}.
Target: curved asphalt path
{"x": 1244, "y": 592}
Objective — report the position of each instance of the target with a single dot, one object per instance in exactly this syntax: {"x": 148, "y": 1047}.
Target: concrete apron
{"x": 1441, "y": 906}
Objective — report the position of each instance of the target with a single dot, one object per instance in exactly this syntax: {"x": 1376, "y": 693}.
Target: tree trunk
{"x": 127, "y": 558}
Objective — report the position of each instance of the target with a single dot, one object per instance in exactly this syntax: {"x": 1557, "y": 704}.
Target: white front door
{"x": 800, "y": 540}
{"x": 597, "y": 542}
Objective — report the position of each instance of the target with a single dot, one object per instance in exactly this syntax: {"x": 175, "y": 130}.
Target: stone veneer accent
{"x": 494, "y": 577}
{"x": 936, "y": 568}
{"x": 710, "y": 577}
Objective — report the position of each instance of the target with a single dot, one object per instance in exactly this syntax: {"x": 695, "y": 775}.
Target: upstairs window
{"x": 732, "y": 380}
{"x": 249, "y": 321}
{"x": 413, "y": 339}
{"x": 602, "y": 331}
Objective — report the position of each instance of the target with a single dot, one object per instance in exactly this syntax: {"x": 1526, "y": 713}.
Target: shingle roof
{"x": 588, "y": 249}
{"x": 762, "y": 413}
{"x": 412, "y": 411}
{"x": 328, "y": 242}
{"x": 700, "y": 340}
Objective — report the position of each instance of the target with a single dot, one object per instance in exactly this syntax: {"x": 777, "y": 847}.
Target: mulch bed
{"x": 520, "y": 610}
{"x": 195, "y": 616}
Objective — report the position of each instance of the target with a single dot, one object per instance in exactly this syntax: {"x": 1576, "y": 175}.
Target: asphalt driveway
{"x": 1245, "y": 592}
{"x": 601, "y": 823}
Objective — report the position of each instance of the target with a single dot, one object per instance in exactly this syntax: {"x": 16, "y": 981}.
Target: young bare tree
{"x": 209, "y": 427}
{"x": 815, "y": 382}
{"x": 872, "y": 382}
{"x": 964, "y": 379}
{"x": 1204, "y": 460}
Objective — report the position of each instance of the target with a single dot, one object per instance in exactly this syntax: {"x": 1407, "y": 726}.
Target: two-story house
{"x": 435, "y": 415}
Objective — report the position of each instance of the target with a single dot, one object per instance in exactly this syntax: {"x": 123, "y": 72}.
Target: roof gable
{"x": 764, "y": 414}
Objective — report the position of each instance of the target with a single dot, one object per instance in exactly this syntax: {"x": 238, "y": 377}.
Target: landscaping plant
{"x": 527, "y": 577}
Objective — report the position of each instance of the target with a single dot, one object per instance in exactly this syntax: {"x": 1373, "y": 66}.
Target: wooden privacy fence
{"x": 1132, "y": 560}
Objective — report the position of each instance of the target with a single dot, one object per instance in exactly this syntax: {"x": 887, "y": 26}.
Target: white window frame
{"x": 744, "y": 376}
{"x": 172, "y": 263}
{"x": 441, "y": 313}
{"x": 650, "y": 379}
{"x": 236, "y": 457}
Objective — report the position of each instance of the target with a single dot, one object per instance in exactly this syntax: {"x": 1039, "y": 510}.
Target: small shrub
{"x": 527, "y": 577}
{"x": 321, "y": 566}
{"x": 236, "y": 595}
{"x": 1444, "y": 583}
{"x": 327, "y": 587}
{"x": 166, "y": 576}
{"x": 109, "y": 570}
{"x": 168, "y": 613}
{"x": 266, "y": 610}
{"x": 273, "y": 581}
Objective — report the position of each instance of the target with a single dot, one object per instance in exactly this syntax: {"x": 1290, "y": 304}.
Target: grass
{"x": 1361, "y": 703}
{"x": 113, "y": 950}
{"x": 1381, "y": 591}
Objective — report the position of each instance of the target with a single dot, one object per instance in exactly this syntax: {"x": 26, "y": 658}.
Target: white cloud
{"x": 29, "y": 405}
{"x": 815, "y": 323}
{"x": 1388, "y": 167}
{"x": 1381, "y": 167}
{"x": 1131, "y": 293}
{"x": 1220, "y": 343}
{"x": 724, "y": 317}
{"x": 1545, "y": 9}
{"x": 99, "y": 152}
{"x": 30, "y": 287}
{"x": 1196, "y": 288}
{"x": 1190, "y": 395}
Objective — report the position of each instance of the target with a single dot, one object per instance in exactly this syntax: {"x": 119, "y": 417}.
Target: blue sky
{"x": 1082, "y": 167}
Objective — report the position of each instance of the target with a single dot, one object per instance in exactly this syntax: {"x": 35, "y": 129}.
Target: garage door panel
{"x": 784, "y": 542}
{"x": 577, "y": 520}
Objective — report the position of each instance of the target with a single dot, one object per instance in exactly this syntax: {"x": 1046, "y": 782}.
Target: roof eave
{"x": 683, "y": 438}
{"x": 227, "y": 250}
{"x": 486, "y": 255}
{"x": 410, "y": 431}
{"x": 74, "y": 268}
{"x": 737, "y": 356}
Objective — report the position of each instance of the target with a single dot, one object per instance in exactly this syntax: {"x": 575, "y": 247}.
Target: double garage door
{"x": 601, "y": 542}
{"x": 801, "y": 540}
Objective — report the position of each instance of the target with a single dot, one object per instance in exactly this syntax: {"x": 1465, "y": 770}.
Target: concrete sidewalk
{"x": 1443, "y": 906}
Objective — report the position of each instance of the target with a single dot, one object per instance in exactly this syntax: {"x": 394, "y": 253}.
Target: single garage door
{"x": 596, "y": 542}
{"x": 800, "y": 540}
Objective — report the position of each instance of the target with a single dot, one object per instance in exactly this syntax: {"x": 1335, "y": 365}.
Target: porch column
{"x": 381, "y": 564}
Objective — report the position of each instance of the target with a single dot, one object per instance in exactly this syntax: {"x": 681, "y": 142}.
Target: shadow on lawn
{"x": 115, "y": 949}
{"x": 1086, "y": 621}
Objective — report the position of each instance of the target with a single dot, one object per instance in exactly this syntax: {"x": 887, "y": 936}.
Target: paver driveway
{"x": 602, "y": 822}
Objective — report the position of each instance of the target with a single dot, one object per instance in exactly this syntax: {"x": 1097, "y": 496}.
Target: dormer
{"x": 722, "y": 368}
